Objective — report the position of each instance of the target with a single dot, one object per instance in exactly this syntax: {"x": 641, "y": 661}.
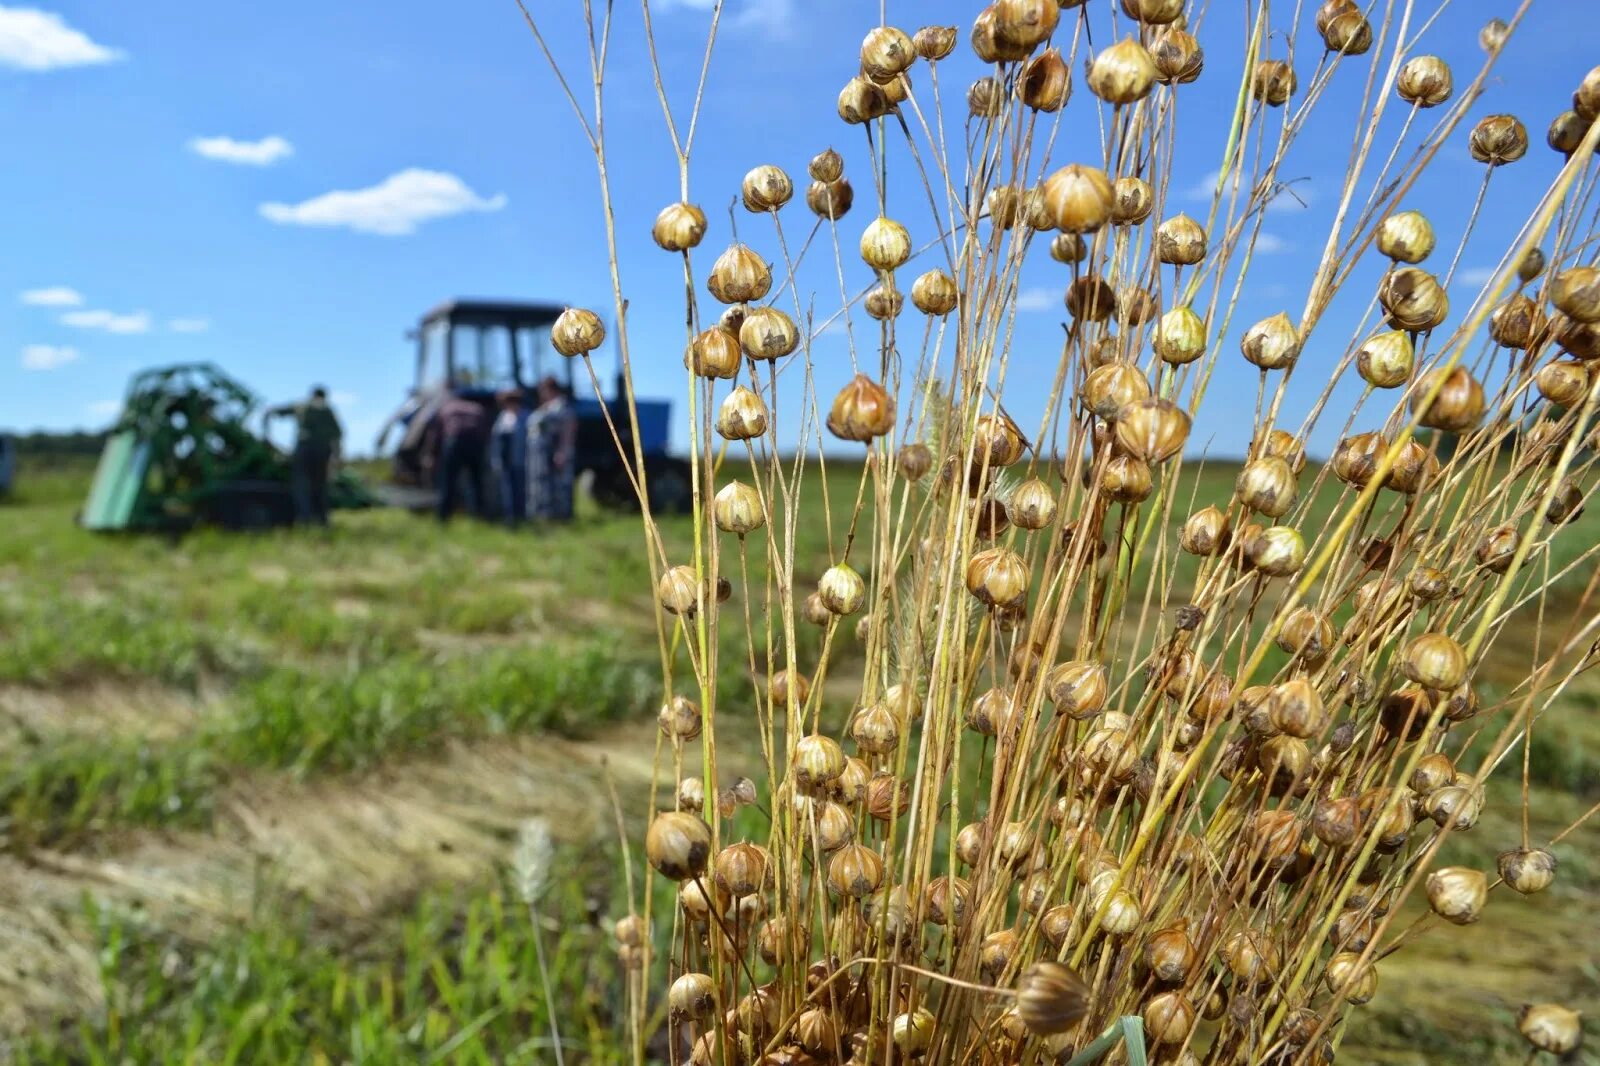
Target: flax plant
{"x": 1118, "y": 759}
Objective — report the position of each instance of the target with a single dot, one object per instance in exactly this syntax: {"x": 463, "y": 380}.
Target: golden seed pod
{"x": 1022, "y": 25}
{"x": 842, "y": 589}
{"x": 1091, "y": 299}
{"x": 1494, "y": 35}
{"x": 1459, "y": 406}
{"x": 1277, "y": 551}
{"x": 766, "y": 188}
{"x": 1274, "y": 82}
{"x": 678, "y": 845}
{"x": 1170, "y": 954}
{"x": 1079, "y": 198}
{"x": 986, "y": 98}
{"x": 1425, "y": 81}
{"x": 1046, "y": 83}
{"x": 1251, "y": 956}
{"x": 742, "y": 415}
{"x": 1404, "y": 714}
{"x": 1050, "y": 997}
{"x": 933, "y": 43}
{"x": 1137, "y": 305}
{"x": 997, "y": 576}
{"x": 830, "y": 200}
{"x": 1579, "y": 339}
{"x": 1206, "y": 532}
{"x": 1273, "y": 343}
{"x": 1351, "y": 979}
{"x": 1566, "y": 132}
{"x": 1567, "y": 503}
{"x": 1132, "y": 200}
{"x": 679, "y": 719}
{"x": 1406, "y": 237}
{"x": 692, "y": 996}
{"x": 827, "y": 165}
{"x": 876, "y": 730}
{"x": 739, "y": 276}
{"x": 818, "y": 762}
{"x": 862, "y": 410}
{"x": 1414, "y": 299}
{"x": 1454, "y": 807}
{"x": 851, "y": 786}
{"x": 1077, "y": 689}
{"x": 1434, "y": 661}
{"x": 996, "y": 951}
{"x": 1169, "y": 1017}
{"x": 679, "y": 227}
{"x": 1386, "y": 360}
{"x": 885, "y": 244}
{"x": 784, "y": 684}
{"x": 737, "y": 508}
{"x": 1550, "y": 1027}
{"x": 862, "y": 100}
{"x": 1122, "y": 913}
{"x": 1267, "y": 485}
{"x": 834, "y": 825}
{"x": 1344, "y": 28}
{"x": 1123, "y": 73}
{"x": 945, "y": 900}
{"x": 1178, "y": 57}
{"x": 886, "y": 52}
{"x": 1531, "y": 265}
{"x": 1180, "y": 241}
{"x": 912, "y": 1032}
{"x": 1126, "y": 479}
{"x": 1457, "y": 893}
{"x": 1527, "y": 870}
{"x": 577, "y": 332}
{"x": 1110, "y": 388}
{"x": 855, "y": 870}
{"x": 691, "y": 794}
{"x": 630, "y": 931}
{"x": 998, "y": 439}
{"x": 1180, "y": 336}
{"x": 969, "y": 843}
{"x": 816, "y": 1032}
{"x": 1432, "y": 773}
{"x": 1295, "y": 709}
{"x": 714, "y": 353}
{"x": 1414, "y": 467}
{"x": 1517, "y": 323}
{"x": 1153, "y": 12}
{"x": 935, "y": 293}
{"x": 1586, "y": 98}
{"x": 1498, "y": 139}
{"x": 677, "y": 591}
{"x": 1575, "y": 292}
{"x": 1153, "y": 430}
{"x": 1336, "y": 822}
{"x": 1066, "y": 248}
{"x": 743, "y": 869}
{"x": 884, "y": 302}
{"x": 1002, "y": 204}
{"x": 1033, "y": 505}
{"x": 768, "y": 334}
{"x": 914, "y": 461}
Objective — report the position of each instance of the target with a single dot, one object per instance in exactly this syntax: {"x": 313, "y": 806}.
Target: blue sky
{"x": 165, "y": 195}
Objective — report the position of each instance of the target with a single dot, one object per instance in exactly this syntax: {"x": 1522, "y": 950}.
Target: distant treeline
{"x": 42, "y": 445}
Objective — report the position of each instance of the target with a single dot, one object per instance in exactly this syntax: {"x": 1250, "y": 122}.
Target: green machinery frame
{"x": 182, "y": 454}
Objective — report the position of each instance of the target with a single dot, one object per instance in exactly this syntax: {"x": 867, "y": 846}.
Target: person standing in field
{"x": 317, "y": 439}
{"x": 552, "y": 453}
{"x": 463, "y": 445}
{"x": 509, "y": 440}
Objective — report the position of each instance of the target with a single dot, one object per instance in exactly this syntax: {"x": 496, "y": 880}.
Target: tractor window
{"x": 431, "y": 370}
{"x": 483, "y": 357}
{"x": 538, "y": 358}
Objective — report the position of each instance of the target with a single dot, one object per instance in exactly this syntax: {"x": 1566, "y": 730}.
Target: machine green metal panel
{"x": 118, "y": 480}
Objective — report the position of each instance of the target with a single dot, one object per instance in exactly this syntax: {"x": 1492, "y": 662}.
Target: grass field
{"x": 260, "y": 793}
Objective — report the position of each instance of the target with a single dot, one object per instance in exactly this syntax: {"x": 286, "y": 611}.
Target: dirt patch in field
{"x": 354, "y": 848}
{"x": 99, "y": 707}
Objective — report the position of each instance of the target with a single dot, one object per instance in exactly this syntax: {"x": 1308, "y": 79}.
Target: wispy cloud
{"x": 1474, "y": 277}
{"x": 102, "y": 408}
{"x": 773, "y": 16}
{"x": 189, "y": 325}
{"x": 47, "y": 356}
{"x": 1271, "y": 244}
{"x": 53, "y": 296}
{"x": 392, "y": 208}
{"x": 1295, "y": 196}
{"x": 31, "y": 39}
{"x": 266, "y": 151}
{"x": 1038, "y": 299}
{"x": 109, "y": 321}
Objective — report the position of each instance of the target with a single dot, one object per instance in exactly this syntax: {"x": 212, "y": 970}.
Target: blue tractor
{"x": 480, "y": 348}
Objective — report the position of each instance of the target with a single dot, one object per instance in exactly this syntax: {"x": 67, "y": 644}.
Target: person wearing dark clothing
{"x": 552, "y": 453}
{"x": 317, "y": 438}
{"x": 509, "y": 455}
{"x": 463, "y": 446}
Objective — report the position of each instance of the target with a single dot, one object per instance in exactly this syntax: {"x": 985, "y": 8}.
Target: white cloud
{"x": 1475, "y": 277}
{"x": 31, "y": 39}
{"x": 1270, "y": 244}
{"x": 1290, "y": 196}
{"x": 769, "y": 15}
{"x": 103, "y": 408}
{"x": 1038, "y": 299}
{"x": 266, "y": 151}
{"x": 391, "y": 208}
{"x": 110, "y": 321}
{"x": 47, "y": 356}
{"x": 189, "y": 325}
{"x": 53, "y": 296}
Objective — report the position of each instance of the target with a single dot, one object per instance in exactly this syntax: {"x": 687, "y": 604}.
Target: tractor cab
{"x": 479, "y": 349}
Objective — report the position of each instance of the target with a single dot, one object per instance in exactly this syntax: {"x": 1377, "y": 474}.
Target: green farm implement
{"x": 182, "y": 455}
